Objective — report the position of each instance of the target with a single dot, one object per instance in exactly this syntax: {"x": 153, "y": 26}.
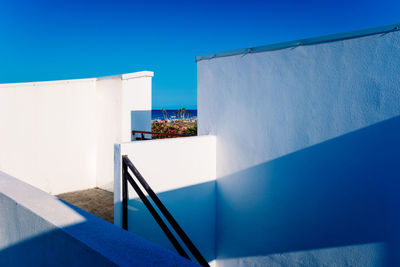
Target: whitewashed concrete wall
{"x": 136, "y": 114}
{"x": 59, "y": 135}
{"x": 37, "y": 229}
{"x": 307, "y": 153}
{"x": 109, "y": 110}
{"x": 182, "y": 172}
{"x": 123, "y": 105}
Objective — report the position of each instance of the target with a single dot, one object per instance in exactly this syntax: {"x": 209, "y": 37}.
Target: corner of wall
{"x": 117, "y": 185}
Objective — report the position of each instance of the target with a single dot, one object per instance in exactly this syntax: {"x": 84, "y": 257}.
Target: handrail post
{"x": 124, "y": 196}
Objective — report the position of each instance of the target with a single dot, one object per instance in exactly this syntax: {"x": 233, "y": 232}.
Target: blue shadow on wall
{"x": 342, "y": 192}
{"x": 194, "y": 209}
{"x": 51, "y": 246}
{"x": 140, "y": 121}
{"x": 334, "y": 203}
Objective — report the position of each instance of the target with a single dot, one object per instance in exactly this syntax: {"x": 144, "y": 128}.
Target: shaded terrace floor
{"x": 96, "y": 201}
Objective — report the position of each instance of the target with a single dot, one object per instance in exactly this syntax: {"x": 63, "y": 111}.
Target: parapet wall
{"x": 182, "y": 173}
{"x": 59, "y": 135}
{"x": 38, "y": 229}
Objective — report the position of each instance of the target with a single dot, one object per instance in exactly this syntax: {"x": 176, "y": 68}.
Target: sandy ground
{"x": 96, "y": 201}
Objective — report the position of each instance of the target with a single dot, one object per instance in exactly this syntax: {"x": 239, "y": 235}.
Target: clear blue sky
{"x": 50, "y": 40}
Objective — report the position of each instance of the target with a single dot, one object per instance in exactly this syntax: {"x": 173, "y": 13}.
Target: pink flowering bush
{"x": 186, "y": 128}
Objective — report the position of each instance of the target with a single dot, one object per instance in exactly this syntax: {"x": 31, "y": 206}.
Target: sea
{"x": 156, "y": 114}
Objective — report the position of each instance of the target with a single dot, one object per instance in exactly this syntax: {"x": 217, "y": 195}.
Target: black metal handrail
{"x": 126, "y": 177}
{"x": 142, "y": 133}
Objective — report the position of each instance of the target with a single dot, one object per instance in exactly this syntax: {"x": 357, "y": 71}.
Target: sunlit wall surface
{"x": 59, "y": 135}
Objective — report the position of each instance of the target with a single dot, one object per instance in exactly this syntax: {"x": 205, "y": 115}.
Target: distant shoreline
{"x": 157, "y": 114}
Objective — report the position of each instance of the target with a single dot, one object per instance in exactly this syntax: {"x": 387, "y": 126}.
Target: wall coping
{"x": 303, "y": 42}
{"x": 139, "y": 74}
{"x": 124, "y": 76}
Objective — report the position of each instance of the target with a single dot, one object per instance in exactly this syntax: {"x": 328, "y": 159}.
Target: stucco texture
{"x": 307, "y": 153}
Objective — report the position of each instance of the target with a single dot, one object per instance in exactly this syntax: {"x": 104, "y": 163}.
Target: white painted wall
{"x": 59, "y": 135}
{"x": 313, "y": 93}
{"x": 109, "y": 121}
{"x": 182, "y": 172}
{"x": 48, "y": 133}
{"x": 307, "y": 153}
{"x": 37, "y": 229}
{"x": 136, "y": 103}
